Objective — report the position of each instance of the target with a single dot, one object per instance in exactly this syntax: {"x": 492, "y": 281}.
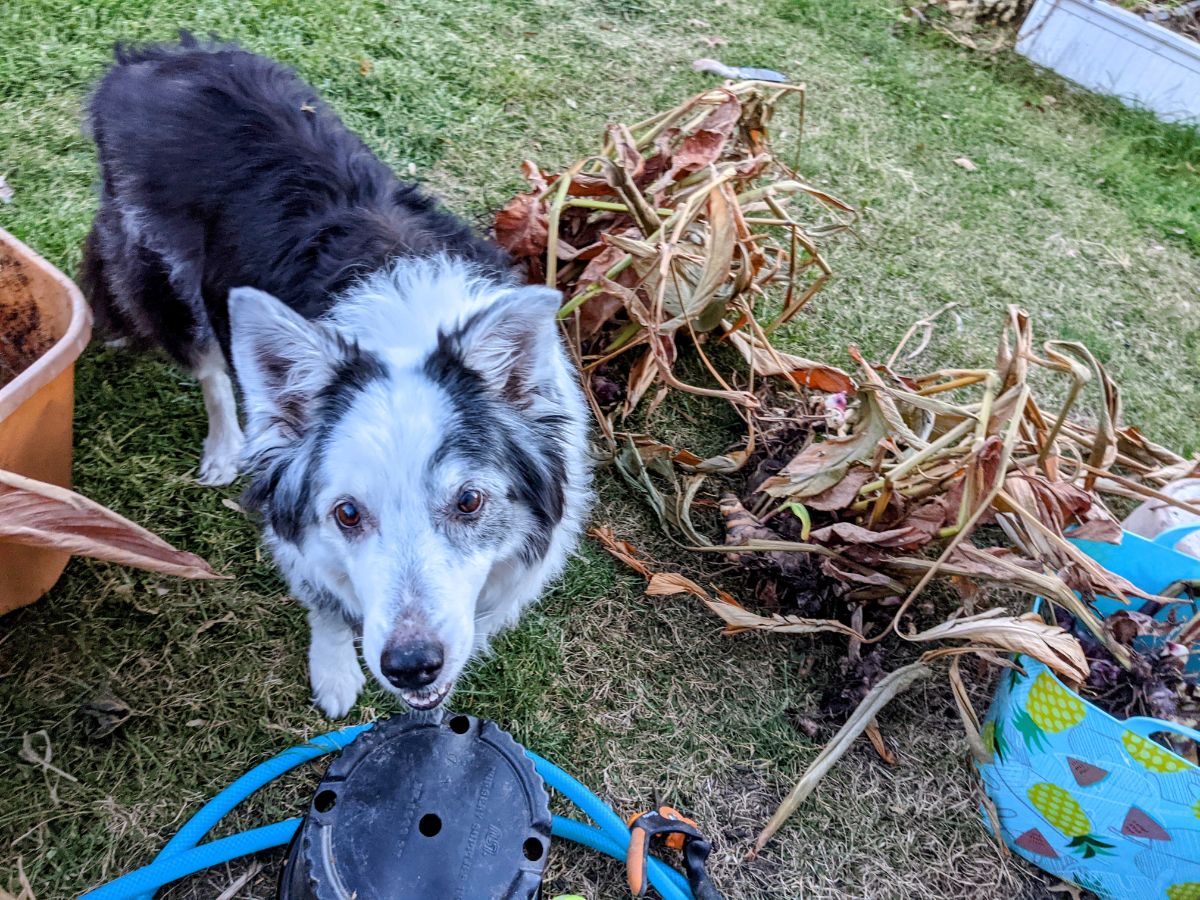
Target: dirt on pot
{"x": 23, "y": 338}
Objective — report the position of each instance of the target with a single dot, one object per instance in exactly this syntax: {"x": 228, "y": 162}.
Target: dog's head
{"x": 405, "y": 467}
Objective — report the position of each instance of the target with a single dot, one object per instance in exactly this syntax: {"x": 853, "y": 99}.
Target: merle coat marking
{"x": 415, "y": 437}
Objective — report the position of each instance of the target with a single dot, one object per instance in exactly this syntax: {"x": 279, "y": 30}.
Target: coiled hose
{"x": 184, "y": 855}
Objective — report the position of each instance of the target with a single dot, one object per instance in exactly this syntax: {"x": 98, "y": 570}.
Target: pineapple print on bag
{"x": 1153, "y": 756}
{"x": 994, "y": 739}
{"x": 1050, "y": 709}
{"x": 1196, "y": 809}
{"x": 1188, "y": 890}
{"x": 1062, "y": 811}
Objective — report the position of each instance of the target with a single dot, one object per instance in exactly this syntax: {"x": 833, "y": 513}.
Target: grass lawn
{"x": 1084, "y": 213}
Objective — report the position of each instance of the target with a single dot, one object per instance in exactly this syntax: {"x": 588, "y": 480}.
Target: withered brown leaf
{"x": 36, "y": 514}
{"x": 522, "y": 226}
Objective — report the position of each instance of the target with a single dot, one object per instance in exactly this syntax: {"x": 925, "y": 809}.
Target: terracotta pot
{"x": 42, "y": 315}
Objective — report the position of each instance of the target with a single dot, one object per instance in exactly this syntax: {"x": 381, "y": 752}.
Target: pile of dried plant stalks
{"x": 668, "y": 234}
{"x": 860, "y": 489}
{"x": 984, "y": 25}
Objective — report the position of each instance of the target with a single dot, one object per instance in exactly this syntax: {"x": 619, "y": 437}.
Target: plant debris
{"x": 37, "y": 514}
{"x": 1182, "y": 18}
{"x": 668, "y": 235}
{"x": 846, "y": 496}
{"x": 967, "y": 22}
{"x": 108, "y": 712}
{"x": 1158, "y": 682}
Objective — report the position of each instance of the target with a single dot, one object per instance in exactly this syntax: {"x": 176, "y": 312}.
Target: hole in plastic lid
{"x": 533, "y": 849}
{"x": 325, "y": 801}
{"x": 429, "y": 825}
{"x": 460, "y": 724}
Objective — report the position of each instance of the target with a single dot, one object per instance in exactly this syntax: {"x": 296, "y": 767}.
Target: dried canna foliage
{"x": 849, "y": 493}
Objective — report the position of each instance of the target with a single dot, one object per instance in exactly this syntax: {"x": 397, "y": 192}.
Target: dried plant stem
{"x": 957, "y": 433}
{"x": 954, "y": 384}
{"x": 763, "y": 546}
{"x": 1072, "y": 395}
{"x": 962, "y": 700}
{"x": 560, "y": 195}
{"x": 968, "y": 526}
{"x": 1086, "y": 440}
{"x": 624, "y": 339}
{"x": 1141, "y": 490}
{"x": 877, "y": 698}
{"x": 1078, "y": 609}
{"x": 924, "y": 325}
{"x": 588, "y": 293}
{"x": 606, "y": 206}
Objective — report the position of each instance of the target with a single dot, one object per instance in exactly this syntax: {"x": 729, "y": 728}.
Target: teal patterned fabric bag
{"x": 1088, "y": 797}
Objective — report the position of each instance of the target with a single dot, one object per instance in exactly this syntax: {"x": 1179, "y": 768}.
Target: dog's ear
{"x": 282, "y": 359}
{"x": 513, "y": 343}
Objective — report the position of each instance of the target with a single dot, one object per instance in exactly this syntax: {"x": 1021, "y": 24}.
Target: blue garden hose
{"x": 181, "y": 856}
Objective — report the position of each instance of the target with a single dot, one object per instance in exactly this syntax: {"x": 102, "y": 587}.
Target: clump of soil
{"x": 22, "y": 336}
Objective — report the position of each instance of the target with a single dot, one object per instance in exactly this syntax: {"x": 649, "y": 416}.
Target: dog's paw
{"x": 219, "y": 466}
{"x": 336, "y": 687}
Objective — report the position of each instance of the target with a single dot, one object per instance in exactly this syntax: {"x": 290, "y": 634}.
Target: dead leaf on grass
{"x": 523, "y": 225}
{"x": 823, "y": 465}
{"x": 108, "y": 711}
{"x": 844, "y": 493}
{"x": 36, "y": 514}
{"x": 908, "y": 537}
{"x": 704, "y": 145}
{"x": 622, "y": 551}
{"x": 1027, "y": 634}
{"x": 875, "y": 736}
{"x": 664, "y": 584}
{"x": 767, "y": 361}
{"x": 877, "y": 698}
{"x": 966, "y": 163}
{"x": 739, "y": 619}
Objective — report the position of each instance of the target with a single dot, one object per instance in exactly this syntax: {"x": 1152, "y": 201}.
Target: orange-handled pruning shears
{"x": 677, "y": 832}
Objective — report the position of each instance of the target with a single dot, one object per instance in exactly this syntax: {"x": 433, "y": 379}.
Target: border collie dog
{"x": 415, "y": 436}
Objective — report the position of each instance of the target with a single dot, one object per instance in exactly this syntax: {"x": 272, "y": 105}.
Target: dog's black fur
{"x": 221, "y": 168}
{"x": 431, "y": 366}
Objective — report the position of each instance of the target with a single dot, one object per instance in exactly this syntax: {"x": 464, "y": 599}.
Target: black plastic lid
{"x": 426, "y": 806}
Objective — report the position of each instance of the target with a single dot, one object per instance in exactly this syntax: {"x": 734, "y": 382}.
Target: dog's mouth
{"x": 426, "y": 698}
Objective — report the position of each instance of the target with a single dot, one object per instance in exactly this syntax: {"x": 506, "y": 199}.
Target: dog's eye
{"x": 470, "y": 501}
{"x": 347, "y": 514}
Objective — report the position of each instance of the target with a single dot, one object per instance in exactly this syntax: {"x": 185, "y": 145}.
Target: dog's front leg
{"x": 333, "y": 667}
{"x": 223, "y": 446}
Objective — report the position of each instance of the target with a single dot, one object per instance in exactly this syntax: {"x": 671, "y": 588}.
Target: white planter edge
{"x": 1111, "y": 51}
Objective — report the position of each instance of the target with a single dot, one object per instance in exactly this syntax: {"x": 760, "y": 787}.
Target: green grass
{"x": 1083, "y": 212}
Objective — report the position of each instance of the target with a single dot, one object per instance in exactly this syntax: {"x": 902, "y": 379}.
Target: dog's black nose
{"x": 413, "y": 665}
